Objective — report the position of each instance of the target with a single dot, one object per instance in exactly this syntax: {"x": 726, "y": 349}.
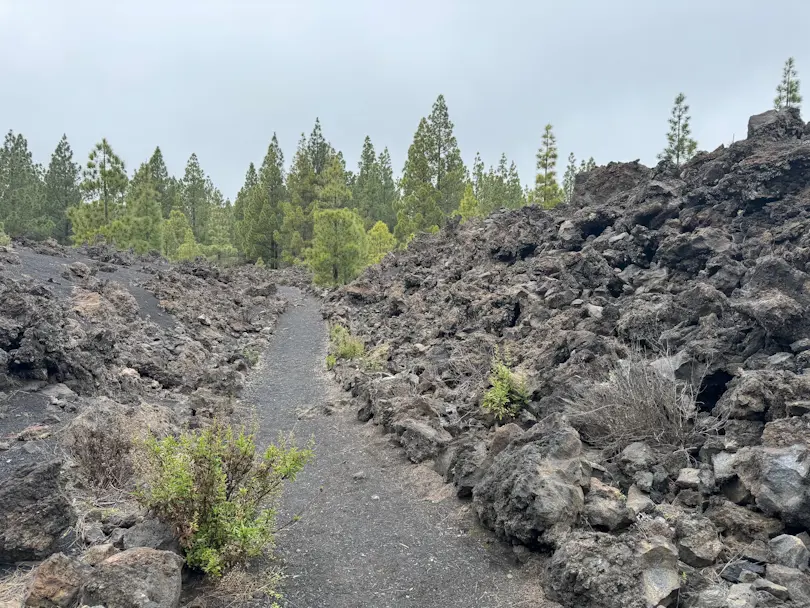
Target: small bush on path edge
{"x": 219, "y": 496}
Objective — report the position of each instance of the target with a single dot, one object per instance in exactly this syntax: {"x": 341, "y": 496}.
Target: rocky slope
{"x": 97, "y": 347}
{"x": 696, "y": 280}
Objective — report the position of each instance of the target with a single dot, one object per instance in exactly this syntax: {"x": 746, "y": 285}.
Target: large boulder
{"x": 153, "y": 534}
{"x": 698, "y": 543}
{"x": 690, "y": 251}
{"x": 790, "y": 551}
{"x": 56, "y": 582}
{"x": 599, "y": 570}
{"x": 779, "y": 480}
{"x": 776, "y": 124}
{"x": 421, "y": 439}
{"x": 34, "y": 512}
{"x": 137, "y": 578}
{"x": 535, "y": 486}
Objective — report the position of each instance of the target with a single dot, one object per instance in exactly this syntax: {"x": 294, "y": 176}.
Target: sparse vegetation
{"x": 787, "y": 93}
{"x": 343, "y": 345}
{"x": 507, "y": 393}
{"x": 251, "y": 356}
{"x": 103, "y": 451}
{"x": 241, "y": 587}
{"x": 217, "y": 493}
{"x": 633, "y": 401}
{"x": 374, "y": 360}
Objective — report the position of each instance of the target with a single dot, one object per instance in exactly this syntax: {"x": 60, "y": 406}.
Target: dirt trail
{"x": 377, "y": 531}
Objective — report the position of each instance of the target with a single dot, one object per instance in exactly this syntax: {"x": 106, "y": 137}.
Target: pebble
{"x": 359, "y": 475}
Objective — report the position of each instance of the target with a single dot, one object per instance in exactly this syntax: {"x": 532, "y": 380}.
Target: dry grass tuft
{"x": 632, "y": 401}
{"x": 13, "y": 585}
{"x": 240, "y": 587}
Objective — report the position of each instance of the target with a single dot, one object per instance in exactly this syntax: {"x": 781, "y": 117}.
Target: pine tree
{"x": 86, "y": 221}
{"x": 302, "y": 181}
{"x": 367, "y": 186}
{"x": 164, "y": 190}
{"x": 498, "y": 187}
{"x": 588, "y": 165}
{"x": 419, "y": 208}
{"x": 380, "y": 242}
{"x": 61, "y": 189}
{"x": 289, "y": 236}
{"x": 478, "y": 177}
{"x": 220, "y": 246}
{"x": 515, "y": 197}
{"x": 388, "y": 199}
{"x": 469, "y": 207}
{"x": 241, "y": 230}
{"x": 569, "y": 178}
{"x": 339, "y": 248}
{"x": 22, "y": 191}
{"x": 444, "y": 158}
{"x": 547, "y": 192}
{"x": 335, "y": 192}
{"x": 319, "y": 151}
{"x": 680, "y": 145}
{"x": 104, "y": 180}
{"x": 262, "y": 215}
{"x": 189, "y": 249}
{"x": 143, "y": 218}
{"x": 787, "y": 93}
{"x": 194, "y": 197}
{"x": 175, "y": 229}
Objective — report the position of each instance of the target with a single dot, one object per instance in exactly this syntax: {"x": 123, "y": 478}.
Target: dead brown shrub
{"x": 103, "y": 451}
{"x": 632, "y": 400}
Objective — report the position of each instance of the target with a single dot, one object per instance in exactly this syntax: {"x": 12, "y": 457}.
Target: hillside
{"x": 662, "y": 323}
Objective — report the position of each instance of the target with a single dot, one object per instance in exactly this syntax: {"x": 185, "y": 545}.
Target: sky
{"x": 219, "y": 77}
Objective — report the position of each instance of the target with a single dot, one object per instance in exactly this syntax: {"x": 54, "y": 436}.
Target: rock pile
{"x": 96, "y": 345}
{"x": 696, "y": 279}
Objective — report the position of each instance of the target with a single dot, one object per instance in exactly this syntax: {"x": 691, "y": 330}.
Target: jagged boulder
{"x": 137, "y": 577}
{"x": 534, "y": 488}
{"x": 56, "y": 582}
{"x": 34, "y": 512}
{"x": 600, "y": 570}
{"x": 779, "y": 480}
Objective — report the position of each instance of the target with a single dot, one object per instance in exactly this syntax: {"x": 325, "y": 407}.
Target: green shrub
{"x": 343, "y": 345}
{"x": 251, "y": 356}
{"x": 374, "y": 360}
{"x": 507, "y": 393}
{"x": 331, "y": 361}
{"x": 215, "y": 491}
{"x": 4, "y": 238}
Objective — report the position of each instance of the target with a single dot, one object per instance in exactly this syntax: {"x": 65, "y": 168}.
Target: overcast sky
{"x": 217, "y": 77}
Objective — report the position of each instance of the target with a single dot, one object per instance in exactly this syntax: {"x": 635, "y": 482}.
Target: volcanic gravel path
{"x": 376, "y": 531}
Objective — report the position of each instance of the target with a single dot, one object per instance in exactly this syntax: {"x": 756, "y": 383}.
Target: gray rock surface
{"x": 535, "y": 486}
{"x": 140, "y": 577}
{"x": 34, "y": 512}
{"x": 789, "y": 551}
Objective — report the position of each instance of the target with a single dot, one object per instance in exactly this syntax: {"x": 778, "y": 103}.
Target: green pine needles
{"x": 217, "y": 493}
{"x": 680, "y": 145}
{"x": 508, "y": 393}
{"x": 787, "y": 93}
